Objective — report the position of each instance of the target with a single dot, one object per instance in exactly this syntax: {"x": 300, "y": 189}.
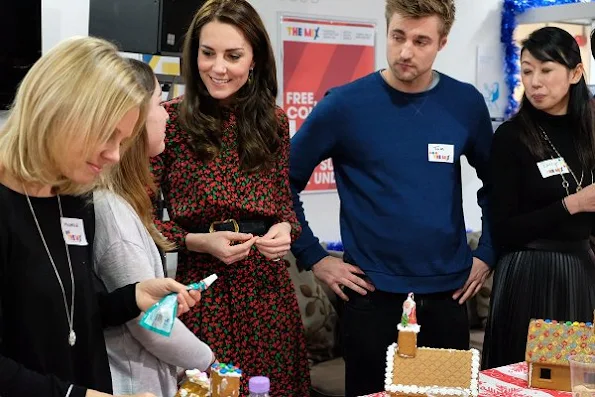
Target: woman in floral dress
{"x": 224, "y": 177}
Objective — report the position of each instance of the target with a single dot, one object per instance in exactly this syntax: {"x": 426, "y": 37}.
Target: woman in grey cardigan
{"x": 125, "y": 251}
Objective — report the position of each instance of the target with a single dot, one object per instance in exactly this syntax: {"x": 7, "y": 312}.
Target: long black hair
{"x": 552, "y": 44}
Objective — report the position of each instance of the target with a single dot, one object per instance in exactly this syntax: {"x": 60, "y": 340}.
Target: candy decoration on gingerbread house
{"x": 549, "y": 344}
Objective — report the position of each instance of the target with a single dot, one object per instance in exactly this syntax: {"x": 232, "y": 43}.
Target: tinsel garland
{"x": 334, "y": 246}
{"x": 338, "y": 245}
{"x": 510, "y": 9}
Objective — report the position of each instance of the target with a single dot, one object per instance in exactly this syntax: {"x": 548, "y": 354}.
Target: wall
{"x": 477, "y": 24}
{"x": 61, "y": 19}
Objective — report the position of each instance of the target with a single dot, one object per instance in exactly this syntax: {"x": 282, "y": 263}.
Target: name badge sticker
{"x": 441, "y": 153}
{"x": 552, "y": 167}
{"x": 73, "y": 231}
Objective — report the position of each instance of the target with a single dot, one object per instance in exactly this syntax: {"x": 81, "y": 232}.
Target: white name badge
{"x": 552, "y": 167}
{"x": 73, "y": 231}
{"x": 440, "y": 153}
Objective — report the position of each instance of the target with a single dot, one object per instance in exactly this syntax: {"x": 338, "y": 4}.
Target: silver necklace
{"x": 565, "y": 183}
{"x": 69, "y": 314}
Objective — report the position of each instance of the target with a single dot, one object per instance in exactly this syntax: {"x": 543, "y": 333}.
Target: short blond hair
{"x": 81, "y": 88}
{"x": 443, "y": 9}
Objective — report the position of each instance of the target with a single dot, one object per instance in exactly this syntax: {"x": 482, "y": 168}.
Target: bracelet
{"x": 565, "y": 207}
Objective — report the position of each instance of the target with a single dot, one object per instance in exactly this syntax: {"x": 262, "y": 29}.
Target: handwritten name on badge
{"x": 73, "y": 231}
{"x": 441, "y": 153}
{"x": 552, "y": 167}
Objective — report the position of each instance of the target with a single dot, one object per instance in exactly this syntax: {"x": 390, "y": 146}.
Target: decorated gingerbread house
{"x": 549, "y": 344}
{"x": 224, "y": 382}
{"x": 196, "y": 384}
{"x": 412, "y": 371}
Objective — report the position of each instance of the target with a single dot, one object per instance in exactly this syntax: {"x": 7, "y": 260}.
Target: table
{"x": 508, "y": 381}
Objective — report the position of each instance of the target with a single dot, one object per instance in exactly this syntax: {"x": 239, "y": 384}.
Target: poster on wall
{"x": 490, "y": 80}
{"x": 319, "y": 54}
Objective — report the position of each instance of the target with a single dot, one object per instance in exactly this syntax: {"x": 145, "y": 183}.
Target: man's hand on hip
{"x": 479, "y": 273}
{"x": 336, "y": 273}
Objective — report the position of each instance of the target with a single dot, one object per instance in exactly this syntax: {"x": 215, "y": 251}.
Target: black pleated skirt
{"x": 536, "y": 283}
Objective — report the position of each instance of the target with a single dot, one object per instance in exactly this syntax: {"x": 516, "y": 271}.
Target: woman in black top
{"x": 543, "y": 199}
{"x": 75, "y": 108}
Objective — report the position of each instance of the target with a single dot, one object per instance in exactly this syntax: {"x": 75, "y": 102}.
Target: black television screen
{"x": 20, "y": 44}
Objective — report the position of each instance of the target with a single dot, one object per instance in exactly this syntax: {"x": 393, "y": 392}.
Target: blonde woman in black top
{"x": 75, "y": 110}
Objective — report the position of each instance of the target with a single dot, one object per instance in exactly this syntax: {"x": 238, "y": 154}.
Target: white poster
{"x": 490, "y": 80}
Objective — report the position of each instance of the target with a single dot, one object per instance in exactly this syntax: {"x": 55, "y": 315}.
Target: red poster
{"x": 317, "y": 56}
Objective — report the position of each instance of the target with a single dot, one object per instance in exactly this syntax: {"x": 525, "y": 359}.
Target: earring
{"x": 250, "y": 75}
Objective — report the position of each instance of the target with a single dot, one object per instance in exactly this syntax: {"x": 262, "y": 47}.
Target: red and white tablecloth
{"x": 509, "y": 381}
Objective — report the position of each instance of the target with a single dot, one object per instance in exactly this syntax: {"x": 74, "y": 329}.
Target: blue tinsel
{"x": 510, "y": 10}
{"x": 334, "y": 246}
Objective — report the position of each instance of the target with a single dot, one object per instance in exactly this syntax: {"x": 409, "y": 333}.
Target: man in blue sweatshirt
{"x": 396, "y": 138}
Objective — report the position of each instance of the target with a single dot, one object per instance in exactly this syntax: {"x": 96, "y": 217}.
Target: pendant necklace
{"x": 69, "y": 314}
{"x": 565, "y": 184}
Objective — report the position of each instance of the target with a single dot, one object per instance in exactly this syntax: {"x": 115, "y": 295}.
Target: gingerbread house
{"x": 549, "y": 344}
{"x": 223, "y": 382}
{"x": 412, "y": 371}
{"x": 196, "y": 384}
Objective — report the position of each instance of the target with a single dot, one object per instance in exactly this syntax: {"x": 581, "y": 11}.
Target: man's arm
{"x": 314, "y": 142}
{"x": 478, "y": 155}
{"x": 317, "y": 140}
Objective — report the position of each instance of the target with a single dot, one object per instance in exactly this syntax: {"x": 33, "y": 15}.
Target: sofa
{"x": 320, "y": 309}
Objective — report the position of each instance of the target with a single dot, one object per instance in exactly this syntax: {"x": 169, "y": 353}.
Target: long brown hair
{"x": 131, "y": 178}
{"x": 254, "y": 104}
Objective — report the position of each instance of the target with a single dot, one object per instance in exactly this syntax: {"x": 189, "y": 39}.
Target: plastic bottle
{"x": 259, "y": 386}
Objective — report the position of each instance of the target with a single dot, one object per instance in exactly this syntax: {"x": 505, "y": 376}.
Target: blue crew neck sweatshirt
{"x": 396, "y": 158}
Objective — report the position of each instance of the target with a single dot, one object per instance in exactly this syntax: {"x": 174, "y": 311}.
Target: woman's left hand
{"x": 152, "y": 291}
{"x": 277, "y": 242}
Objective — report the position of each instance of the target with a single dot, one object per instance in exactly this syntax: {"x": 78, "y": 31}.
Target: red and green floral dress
{"x": 250, "y": 315}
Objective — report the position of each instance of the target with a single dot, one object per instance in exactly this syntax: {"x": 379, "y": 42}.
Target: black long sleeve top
{"x": 526, "y": 206}
{"x": 35, "y": 357}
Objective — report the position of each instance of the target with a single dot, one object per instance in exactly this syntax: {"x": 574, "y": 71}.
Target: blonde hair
{"x": 131, "y": 178}
{"x": 443, "y": 9}
{"x": 81, "y": 88}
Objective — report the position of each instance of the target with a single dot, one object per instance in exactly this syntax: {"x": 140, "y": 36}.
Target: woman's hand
{"x": 152, "y": 291}
{"x": 581, "y": 201}
{"x": 277, "y": 242}
{"x": 228, "y": 247}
